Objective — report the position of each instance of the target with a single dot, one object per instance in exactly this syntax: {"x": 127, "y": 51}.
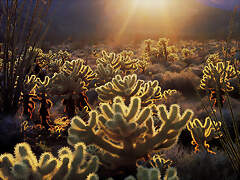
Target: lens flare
{"x": 151, "y": 4}
{"x": 142, "y": 7}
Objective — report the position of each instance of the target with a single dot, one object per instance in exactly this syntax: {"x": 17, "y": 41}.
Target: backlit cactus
{"x": 186, "y": 53}
{"x": 79, "y": 70}
{"x": 143, "y": 63}
{"x": 171, "y": 174}
{"x": 30, "y": 84}
{"x": 218, "y": 76}
{"x": 92, "y": 176}
{"x": 160, "y": 163}
{"x": 161, "y": 51}
{"x": 54, "y": 66}
{"x": 130, "y": 86}
{"x": 126, "y": 133}
{"x": 172, "y": 57}
{"x": 122, "y": 61}
{"x": 201, "y": 133}
{"x": 65, "y": 84}
{"x": 72, "y": 83}
{"x": 105, "y": 74}
{"x": 214, "y": 58}
{"x": 152, "y": 174}
{"x": 68, "y": 166}
{"x": 24, "y": 165}
{"x": 73, "y": 165}
{"x": 148, "y": 173}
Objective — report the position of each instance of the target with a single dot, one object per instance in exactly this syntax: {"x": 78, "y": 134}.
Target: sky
{"x": 80, "y": 18}
{"x": 224, "y": 4}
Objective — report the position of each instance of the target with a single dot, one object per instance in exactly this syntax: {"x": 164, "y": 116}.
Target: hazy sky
{"x": 225, "y": 4}
{"x": 81, "y": 17}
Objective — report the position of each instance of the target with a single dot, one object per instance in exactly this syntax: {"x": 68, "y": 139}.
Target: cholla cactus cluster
{"x": 154, "y": 174}
{"x": 69, "y": 165}
{"x": 59, "y": 55}
{"x": 130, "y": 86}
{"x": 172, "y": 57}
{"x": 127, "y": 125}
{"x": 161, "y": 51}
{"x": 51, "y": 61}
{"x": 186, "y": 53}
{"x": 127, "y": 133}
{"x": 122, "y": 61}
{"x": 80, "y": 70}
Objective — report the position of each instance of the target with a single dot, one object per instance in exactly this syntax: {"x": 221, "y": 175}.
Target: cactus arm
{"x": 6, "y": 163}
{"x": 168, "y": 132}
{"x": 80, "y": 131}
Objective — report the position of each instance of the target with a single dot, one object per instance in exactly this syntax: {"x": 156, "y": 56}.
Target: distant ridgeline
{"x": 222, "y": 4}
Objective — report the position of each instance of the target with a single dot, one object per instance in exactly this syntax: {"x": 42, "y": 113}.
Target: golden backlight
{"x": 149, "y": 16}
{"x": 151, "y": 4}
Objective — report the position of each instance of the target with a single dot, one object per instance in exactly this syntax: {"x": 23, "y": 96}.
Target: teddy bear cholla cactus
{"x": 201, "y": 133}
{"x": 186, "y": 53}
{"x": 129, "y": 86}
{"x": 122, "y": 61}
{"x": 160, "y": 51}
{"x": 72, "y": 83}
{"x": 105, "y": 74}
{"x": 126, "y": 133}
{"x": 220, "y": 74}
{"x": 153, "y": 174}
{"x": 80, "y": 70}
{"x": 68, "y": 166}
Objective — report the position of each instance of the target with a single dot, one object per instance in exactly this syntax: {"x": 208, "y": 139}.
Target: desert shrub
{"x": 185, "y": 81}
{"x": 155, "y": 68}
{"x": 214, "y": 166}
{"x": 192, "y": 165}
{"x": 174, "y": 67}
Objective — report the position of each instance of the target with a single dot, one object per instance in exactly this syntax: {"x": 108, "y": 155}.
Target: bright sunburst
{"x": 140, "y": 8}
{"x": 151, "y": 4}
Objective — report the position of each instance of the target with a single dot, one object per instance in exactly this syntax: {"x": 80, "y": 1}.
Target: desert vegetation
{"x": 155, "y": 109}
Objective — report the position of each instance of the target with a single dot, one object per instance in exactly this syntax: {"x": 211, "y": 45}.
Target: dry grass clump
{"x": 184, "y": 81}
{"x": 175, "y": 67}
{"x": 200, "y": 165}
{"x": 155, "y": 68}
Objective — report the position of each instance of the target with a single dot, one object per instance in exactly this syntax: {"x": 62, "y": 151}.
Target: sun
{"x": 151, "y": 4}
